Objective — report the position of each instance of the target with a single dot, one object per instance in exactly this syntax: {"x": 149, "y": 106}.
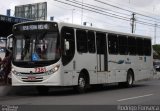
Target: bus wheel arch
{"x": 83, "y": 81}
{"x": 86, "y": 74}
{"x": 129, "y": 79}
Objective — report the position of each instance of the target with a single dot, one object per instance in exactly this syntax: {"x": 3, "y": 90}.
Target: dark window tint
{"x": 131, "y": 45}
{"x": 139, "y": 46}
{"x": 101, "y": 41}
{"x": 113, "y": 43}
{"x": 147, "y": 47}
{"x": 81, "y": 41}
{"x": 67, "y": 35}
{"x": 91, "y": 42}
{"x": 123, "y": 47}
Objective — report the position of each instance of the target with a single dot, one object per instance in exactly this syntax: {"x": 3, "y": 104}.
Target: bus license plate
{"x": 31, "y": 78}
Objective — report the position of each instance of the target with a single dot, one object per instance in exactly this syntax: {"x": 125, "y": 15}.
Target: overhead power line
{"x": 150, "y": 20}
{"x": 95, "y": 11}
{"x": 103, "y": 8}
{"x": 125, "y": 9}
{"x": 94, "y": 8}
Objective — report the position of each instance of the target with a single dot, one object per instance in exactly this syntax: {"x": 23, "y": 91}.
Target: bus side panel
{"x": 69, "y": 75}
{"x": 144, "y": 67}
{"x": 88, "y": 62}
{"x": 119, "y": 66}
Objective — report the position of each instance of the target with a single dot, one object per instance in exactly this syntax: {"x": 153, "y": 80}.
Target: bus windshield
{"x": 36, "y": 47}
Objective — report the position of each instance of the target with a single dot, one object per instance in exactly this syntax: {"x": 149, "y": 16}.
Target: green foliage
{"x": 156, "y": 48}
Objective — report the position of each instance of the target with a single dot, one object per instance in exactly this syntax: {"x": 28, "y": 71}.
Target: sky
{"x": 66, "y": 13}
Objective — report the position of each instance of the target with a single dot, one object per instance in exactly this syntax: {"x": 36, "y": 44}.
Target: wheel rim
{"x": 82, "y": 82}
{"x": 130, "y": 79}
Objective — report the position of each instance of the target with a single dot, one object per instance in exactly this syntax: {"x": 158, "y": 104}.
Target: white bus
{"x": 61, "y": 54}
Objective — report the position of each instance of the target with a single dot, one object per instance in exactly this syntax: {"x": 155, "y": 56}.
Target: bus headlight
{"x": 56, "y": 68}
{"x": 53, "y": 70}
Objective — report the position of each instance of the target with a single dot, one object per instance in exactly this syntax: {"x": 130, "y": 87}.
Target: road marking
{"x": 135, "y": 97}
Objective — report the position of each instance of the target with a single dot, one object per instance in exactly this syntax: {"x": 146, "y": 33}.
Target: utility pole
{"x": 133, "y": 22}
{"x": 155, "y": 31}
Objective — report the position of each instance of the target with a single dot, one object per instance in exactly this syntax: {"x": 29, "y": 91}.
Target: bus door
{"x": 68, "y": 52}
{"x": 102, "y": 59}
{"x": 112, "y": 57}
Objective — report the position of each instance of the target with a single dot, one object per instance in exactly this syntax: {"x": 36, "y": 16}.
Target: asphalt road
{"x": 143, "y": 93}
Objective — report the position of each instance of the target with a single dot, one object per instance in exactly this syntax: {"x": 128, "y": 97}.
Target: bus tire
{"x": 42, "y": 90}
{"x": 130, "y": 79}
{"x": 82, "y": 84}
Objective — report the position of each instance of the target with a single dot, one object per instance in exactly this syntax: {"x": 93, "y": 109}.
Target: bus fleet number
{"x": 40, "y": 69}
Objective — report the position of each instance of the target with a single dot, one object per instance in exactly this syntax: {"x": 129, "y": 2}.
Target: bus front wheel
{"x": 82, "y": 84}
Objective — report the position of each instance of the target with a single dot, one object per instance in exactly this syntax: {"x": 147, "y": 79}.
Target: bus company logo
{"x": 128, "y": 61}
{"x": 117, "y": 62}
{"x": 122, "y": 61}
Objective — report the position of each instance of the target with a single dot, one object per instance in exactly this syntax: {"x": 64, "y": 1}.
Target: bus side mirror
{"x": 66, "y": 45}
{"x": 10, "y": 41}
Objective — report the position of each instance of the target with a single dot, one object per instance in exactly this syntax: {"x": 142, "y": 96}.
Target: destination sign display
{"x": 35, "y": 26}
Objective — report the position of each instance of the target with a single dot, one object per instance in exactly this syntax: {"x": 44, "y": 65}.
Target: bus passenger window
{"x": 113, "y": 43}
{"x": 81, "y": 41}
{"x": 101, "y": 41}
{"x": 131, "y": 46}
{"x": 140, "y": 50}
{"x": 147, "y": 47}
{"x": 91, "y": 42}
{"x": 123, "y": 47}
{"x": 67, "y": 34}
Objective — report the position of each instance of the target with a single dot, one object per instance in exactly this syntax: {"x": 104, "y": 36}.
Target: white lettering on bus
{"x": 35, "y": 27}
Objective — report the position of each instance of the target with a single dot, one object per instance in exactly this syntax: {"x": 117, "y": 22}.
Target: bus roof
{"x": 61, "y": 24}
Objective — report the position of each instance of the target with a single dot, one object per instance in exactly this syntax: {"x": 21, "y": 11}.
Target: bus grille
{"x": 32, "y": 73}
{"x": 32, "y": 79}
